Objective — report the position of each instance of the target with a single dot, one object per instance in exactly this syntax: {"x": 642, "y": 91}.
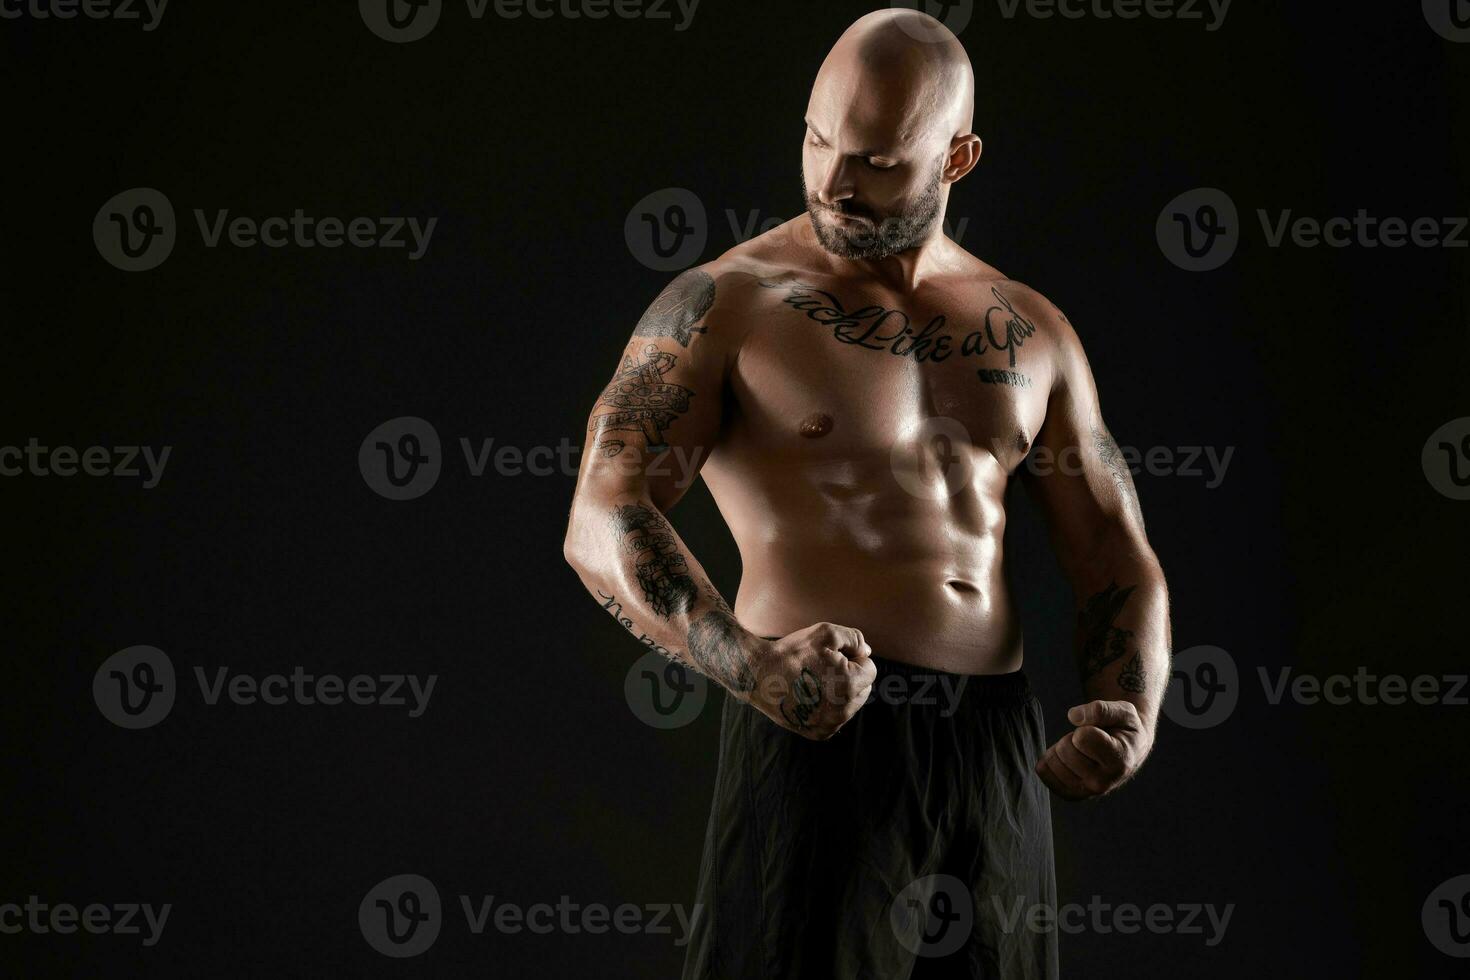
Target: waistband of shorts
{"x": 1010, "y": 688}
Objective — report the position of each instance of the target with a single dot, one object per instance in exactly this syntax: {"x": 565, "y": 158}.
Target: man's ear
{"x": 964, "y": 153}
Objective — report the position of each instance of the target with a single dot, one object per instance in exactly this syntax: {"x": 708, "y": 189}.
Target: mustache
{"x": 843, "y": 209}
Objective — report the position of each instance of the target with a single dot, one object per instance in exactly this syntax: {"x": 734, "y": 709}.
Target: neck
{"x": 901, "y": 272}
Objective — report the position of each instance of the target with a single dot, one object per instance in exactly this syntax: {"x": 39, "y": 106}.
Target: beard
{"x": 875, "y": 236}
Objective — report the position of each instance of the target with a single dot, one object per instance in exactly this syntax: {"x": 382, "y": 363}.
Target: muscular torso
{"x": 863, "y": 461}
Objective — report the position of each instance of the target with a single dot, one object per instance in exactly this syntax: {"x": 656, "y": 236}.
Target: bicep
{"x": 1077, "y": 474}
{"x": 655, "y": 422}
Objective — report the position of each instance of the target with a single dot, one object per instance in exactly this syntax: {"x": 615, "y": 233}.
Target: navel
{"x": 816, "y": 425}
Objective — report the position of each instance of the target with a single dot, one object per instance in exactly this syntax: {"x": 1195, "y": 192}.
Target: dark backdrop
{"x": 528, "y": 777}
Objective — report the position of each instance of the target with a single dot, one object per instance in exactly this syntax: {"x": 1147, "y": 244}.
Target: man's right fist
{"x": 812, "y": 681}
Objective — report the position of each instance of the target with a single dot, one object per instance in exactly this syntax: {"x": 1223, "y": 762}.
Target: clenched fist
{"x": 1100, "y": 754}
{"x": 813, "y": 680}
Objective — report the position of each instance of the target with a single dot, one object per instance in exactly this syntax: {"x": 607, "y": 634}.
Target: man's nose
{"x": 836, "y": 184}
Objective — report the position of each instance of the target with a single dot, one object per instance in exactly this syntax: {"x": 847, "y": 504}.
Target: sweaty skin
{"x": 858, "y": 392}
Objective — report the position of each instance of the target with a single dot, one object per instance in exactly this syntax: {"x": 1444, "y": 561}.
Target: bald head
{"x": 904, "y": 69}
{"x": 888, "y": 125}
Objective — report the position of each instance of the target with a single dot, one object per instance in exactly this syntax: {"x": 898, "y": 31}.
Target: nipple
{"x": 816, "y": 425}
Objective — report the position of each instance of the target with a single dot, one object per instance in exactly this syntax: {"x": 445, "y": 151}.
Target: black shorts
{"x": 912, "y": 845}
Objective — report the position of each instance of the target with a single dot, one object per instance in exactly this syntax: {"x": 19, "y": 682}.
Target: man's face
{"x": 867, "y": 197}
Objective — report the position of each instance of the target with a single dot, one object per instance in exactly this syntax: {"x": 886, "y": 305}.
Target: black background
{"x": 528, "y": 777}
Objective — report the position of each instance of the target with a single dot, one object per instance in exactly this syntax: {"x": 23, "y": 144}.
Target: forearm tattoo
{"x": 661, "y": 570}
{"x": 614, "y": 608}
{"x": 1102, "y": 642}
{"x": 678, "y": 309}
{"x": 1131, "y": 677}
{"x": 714, "y": 644}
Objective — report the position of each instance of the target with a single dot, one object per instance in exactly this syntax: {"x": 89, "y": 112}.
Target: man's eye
{"x": 880, "y": 166}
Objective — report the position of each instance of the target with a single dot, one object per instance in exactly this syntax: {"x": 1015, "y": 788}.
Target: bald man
{"x": 861, "y": 393}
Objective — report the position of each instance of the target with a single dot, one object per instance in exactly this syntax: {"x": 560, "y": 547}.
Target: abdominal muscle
{"x": 921, "y": 578}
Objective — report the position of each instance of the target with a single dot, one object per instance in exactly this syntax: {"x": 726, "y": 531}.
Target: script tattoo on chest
{"x": 1003, "y": 331}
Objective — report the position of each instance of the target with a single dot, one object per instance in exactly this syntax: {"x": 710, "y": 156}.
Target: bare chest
{"x": 828, "y": 375}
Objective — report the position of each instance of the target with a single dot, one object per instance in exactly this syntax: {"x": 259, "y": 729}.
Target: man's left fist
{"x": 1100, "y": 754}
